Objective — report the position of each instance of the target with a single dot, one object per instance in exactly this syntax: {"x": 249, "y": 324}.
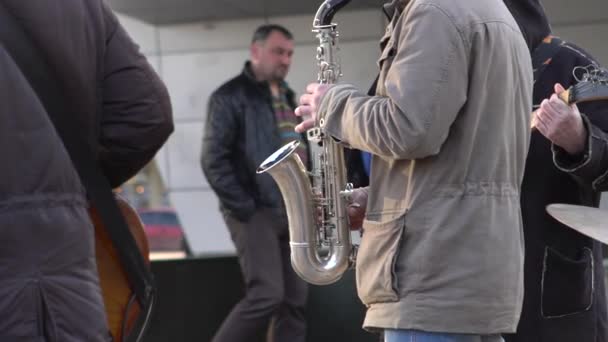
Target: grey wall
{"x": 584, "y": 22}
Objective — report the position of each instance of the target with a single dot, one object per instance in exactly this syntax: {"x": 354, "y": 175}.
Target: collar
{"x": 248, "y": 72}
{"x": 394, "y": 7}
{"x": 249, "y": 75}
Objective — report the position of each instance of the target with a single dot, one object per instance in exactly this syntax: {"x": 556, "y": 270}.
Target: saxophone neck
{"x": 326, "y": 12}
{"x": 327, "y": 52}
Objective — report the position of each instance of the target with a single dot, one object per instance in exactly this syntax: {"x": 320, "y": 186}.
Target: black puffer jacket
{"x": 49, "y": 287}
{"x": 240, "y": 133}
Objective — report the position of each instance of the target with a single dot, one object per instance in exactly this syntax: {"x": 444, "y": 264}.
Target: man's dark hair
{"x": 262, "y": 32}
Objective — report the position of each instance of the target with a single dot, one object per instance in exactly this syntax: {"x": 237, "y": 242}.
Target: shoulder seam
{"x": 449, "y": 17}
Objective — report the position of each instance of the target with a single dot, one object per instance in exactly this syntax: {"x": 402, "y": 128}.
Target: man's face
{"x": 273, "y": 56}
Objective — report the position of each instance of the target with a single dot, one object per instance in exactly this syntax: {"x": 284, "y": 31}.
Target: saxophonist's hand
{"x": 309, "y": 103}
{"x": 356, "y": 208}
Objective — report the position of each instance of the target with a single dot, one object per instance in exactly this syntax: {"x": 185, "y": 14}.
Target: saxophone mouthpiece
{"x": 327, "y": 10}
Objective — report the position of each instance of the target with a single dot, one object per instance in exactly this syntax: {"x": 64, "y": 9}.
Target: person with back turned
{"x": 49, "y": 282}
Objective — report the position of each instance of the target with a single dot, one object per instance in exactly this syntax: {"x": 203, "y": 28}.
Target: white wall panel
{"x": 162, "y": 162}
{"x": 142, "y": 33}
{"x": 352, "y": 25}
{"x": 359, "y": 63}
{"x": 192, "y": 77}
{"x": 183, "y": 154}
{"x": 221, "y": 35}
{"x": 230, "y": 35}
{"x": 203, "y": 224}
{"x": 579, "y": 11}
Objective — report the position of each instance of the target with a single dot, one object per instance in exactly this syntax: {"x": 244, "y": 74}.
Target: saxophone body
{"x": 316, "y": 201}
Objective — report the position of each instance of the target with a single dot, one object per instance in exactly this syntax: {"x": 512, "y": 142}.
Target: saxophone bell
{"x": 313, "y": 259}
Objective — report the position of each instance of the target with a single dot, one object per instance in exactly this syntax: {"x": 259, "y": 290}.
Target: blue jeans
{"x": 421, "y": 336}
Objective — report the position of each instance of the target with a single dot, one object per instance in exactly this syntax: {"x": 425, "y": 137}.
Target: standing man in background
{"x": 248, "y": 119}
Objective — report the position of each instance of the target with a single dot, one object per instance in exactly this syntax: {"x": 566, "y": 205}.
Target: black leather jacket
{"x": 240, "y": 133}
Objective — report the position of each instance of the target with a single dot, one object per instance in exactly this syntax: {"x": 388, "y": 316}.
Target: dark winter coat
{"x": 564, "y": 298}
{"x": 49, "y": 287}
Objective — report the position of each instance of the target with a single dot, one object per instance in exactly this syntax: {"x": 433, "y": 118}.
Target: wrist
{"x": 578, "y": 144}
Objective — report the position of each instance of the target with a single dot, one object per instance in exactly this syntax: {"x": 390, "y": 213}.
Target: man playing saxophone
{"x": 441, "y": 258}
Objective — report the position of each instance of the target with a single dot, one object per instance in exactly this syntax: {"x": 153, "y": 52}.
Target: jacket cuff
{"x": 591, "y": 166}
{"x": 566, "y": 162}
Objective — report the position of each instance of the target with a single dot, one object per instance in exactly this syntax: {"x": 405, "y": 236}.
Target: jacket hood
{"x": 532, "y": 20}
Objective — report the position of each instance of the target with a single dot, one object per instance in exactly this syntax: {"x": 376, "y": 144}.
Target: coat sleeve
{"x": 425, "y": 86}
{"x": 591, "y": 166}
{"x": 219, "y": 138}
{"x": 136, "y": 118}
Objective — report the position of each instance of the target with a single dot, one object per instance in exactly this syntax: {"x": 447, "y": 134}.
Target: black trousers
{"x": 275, "y": 295}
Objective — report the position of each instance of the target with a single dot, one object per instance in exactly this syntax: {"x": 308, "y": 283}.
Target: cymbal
{"x": 589, "y": 221}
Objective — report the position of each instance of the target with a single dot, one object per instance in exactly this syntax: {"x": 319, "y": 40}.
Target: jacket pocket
{"x": 376, "y": 278}
{"x": 567, "y": 285}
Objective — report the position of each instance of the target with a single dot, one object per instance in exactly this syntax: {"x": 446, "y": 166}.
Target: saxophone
{"x": 320, "y": 240}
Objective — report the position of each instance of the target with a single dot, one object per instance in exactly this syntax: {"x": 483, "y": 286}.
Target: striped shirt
{"x": 287, "y": 121}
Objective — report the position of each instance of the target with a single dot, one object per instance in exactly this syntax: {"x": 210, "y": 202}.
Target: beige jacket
{"x": 443, "y": 247}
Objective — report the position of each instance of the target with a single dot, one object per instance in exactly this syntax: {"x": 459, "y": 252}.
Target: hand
{"x": 309, "y": 104}
{"x": 561, "y": 124}
{"x": 356, "y": 208}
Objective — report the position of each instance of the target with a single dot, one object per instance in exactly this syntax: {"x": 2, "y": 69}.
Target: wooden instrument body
{"x": 122, "y": 309}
